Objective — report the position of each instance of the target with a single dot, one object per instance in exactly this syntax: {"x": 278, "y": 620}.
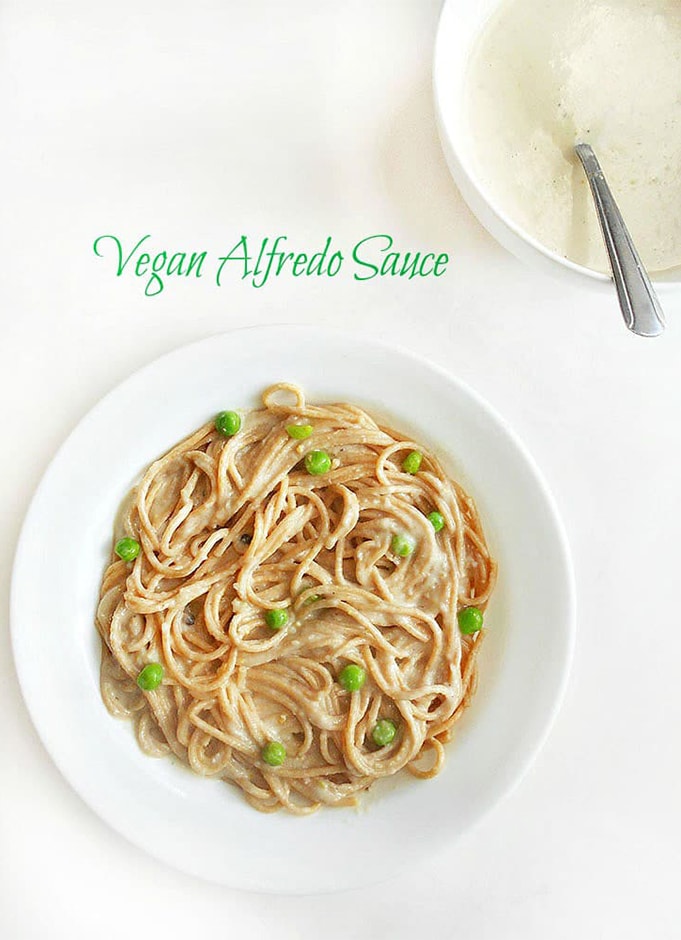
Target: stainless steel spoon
{"x": 640, "y": 307}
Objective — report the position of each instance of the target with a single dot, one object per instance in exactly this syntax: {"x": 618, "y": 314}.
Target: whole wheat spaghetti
{"x": 365, "y": 563}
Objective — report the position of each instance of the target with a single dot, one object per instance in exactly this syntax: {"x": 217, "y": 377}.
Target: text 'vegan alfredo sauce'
{"x": 548, "y": 73}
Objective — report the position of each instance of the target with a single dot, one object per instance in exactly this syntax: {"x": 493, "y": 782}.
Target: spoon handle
{"x": 640, "y": 307}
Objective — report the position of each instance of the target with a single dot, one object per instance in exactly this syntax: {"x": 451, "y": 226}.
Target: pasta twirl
{"x": 365, "y": 560}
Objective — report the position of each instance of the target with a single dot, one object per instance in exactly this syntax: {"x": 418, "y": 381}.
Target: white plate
{"x": 203, "y": 826}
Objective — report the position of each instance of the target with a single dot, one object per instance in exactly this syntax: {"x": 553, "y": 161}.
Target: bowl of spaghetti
{"x": 291, "y": 603}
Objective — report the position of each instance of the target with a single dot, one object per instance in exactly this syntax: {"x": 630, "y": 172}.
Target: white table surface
{"x": 201, "y": 122}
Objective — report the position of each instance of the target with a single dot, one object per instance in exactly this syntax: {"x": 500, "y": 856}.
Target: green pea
{"x": 299, "y": 432}
{"x": 402, "y": 545}
{"x": 412, "y": 462}
{"x": 352, "y": 677}
{"x": 228, "y": 423}
{"x": 127, "y": 549}
{"x": 312, "y": 599}
{"x": 317, "y": 462}
{"x": 437, "y": 521}
{"x": 274, "y": 753}
{"x": 384, "y": 732}
{"x": 277, "y": 618}
{"x": 470, "y": 619}
{"x": 150, "y": 677}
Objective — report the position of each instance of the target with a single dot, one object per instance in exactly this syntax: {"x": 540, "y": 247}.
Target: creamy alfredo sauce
{"x": 549, "y": 73}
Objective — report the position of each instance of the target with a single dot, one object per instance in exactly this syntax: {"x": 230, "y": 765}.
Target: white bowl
{"x": 203, "y": 826}
{"x": 461, "y": 23}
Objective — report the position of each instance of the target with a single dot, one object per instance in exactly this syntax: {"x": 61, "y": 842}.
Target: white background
{"x": 201, "y": 122}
